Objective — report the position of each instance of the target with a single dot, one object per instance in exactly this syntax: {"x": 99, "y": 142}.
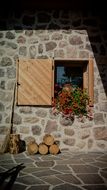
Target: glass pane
{"x": 72, "y": 75}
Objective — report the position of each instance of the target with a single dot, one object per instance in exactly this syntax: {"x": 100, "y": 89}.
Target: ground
{"x": 64, "y": 171}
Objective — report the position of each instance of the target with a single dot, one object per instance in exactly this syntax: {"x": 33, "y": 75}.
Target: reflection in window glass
{"x": 69, "y": 74}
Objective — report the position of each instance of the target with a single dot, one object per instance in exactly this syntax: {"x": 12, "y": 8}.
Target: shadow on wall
{"x": 96, "y": 27}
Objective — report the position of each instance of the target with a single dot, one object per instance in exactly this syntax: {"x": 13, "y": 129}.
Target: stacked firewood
{"x": 48, "y": 145}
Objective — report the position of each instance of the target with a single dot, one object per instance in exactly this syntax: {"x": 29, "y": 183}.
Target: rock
{"x": 100, "y": 133}
{"x": 69, "y": 141}
{"x": 98, "y": 118}
{"x": 36, "y": 130}
{"x": 6, "y": 61}
{"x": 51, "y": 126}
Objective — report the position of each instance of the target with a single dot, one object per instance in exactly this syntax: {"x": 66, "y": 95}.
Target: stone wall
{"x": 54, "y": 34}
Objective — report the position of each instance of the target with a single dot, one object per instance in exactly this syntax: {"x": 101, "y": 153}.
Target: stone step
{"x": 3, "y": 142}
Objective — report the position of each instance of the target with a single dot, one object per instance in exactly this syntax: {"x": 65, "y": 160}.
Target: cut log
{"x": 48, "y": 139}
{"x": 43, "y": 148}
{"x": 32, "y": 148}
{"x": 54, "y": 149}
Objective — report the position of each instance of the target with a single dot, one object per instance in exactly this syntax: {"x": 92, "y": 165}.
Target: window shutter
{"x": 91, "y": 81}
{"x": 35, "y": 82}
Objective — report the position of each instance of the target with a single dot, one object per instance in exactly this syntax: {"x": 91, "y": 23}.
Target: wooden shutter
{"x": 35, "y": 82}
{"x": 91, "y": 82}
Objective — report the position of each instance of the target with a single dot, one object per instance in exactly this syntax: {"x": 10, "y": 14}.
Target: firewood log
{"x": 48, "y": 139}
{"x": 54, "y": 149}
{"x": 32, "y": 148}
{"x": 43, "y": 148}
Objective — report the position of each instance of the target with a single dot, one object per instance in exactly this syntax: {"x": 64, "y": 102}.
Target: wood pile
{"x": 48, "y": 146}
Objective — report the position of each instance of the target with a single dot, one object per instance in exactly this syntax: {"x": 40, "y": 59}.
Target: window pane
{"x": 69, "y": 74}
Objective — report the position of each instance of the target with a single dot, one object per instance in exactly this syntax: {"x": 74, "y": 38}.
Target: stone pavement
{"x": 64, "y": 171}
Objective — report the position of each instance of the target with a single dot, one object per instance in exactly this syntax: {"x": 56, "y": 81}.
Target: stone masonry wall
{"x": 54, "y": 34}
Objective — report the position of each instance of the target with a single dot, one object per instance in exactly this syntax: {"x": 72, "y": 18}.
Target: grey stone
{"x": 96, "y": 95}
{"x": 66, "y": 121}
{"x": 90, "y": 143}
{"x": 95, "y": 187}
{"x": 28, "y": 33}
{"x": 11, "y": 45}
{"x": 0, "y": 118}
{"x": 84, "y": 169}
{"x": 75, "y": 40}
{"x": 1, "y": 35}
{"x": 25, "y": 110}
{"x": 51, "y": 126}
{"x": 36, "y": 130}
{"x": 24, "y": 129}
{"x": 40, "y": 48}
{"x": 103, "y": 106}
{"x": 91, "y": 178}
{"x": 84, "y": 133}
{"x": 69, "y": 132}
{"x": 57, "y": 36}
{"x": 29, "y": 139}
{"x": 50, "y": 46}
{"x": 2, "y": 43}
{"x": 2, "y": 52}
{"x": 2, "y": 72}
{"x": 42, "y": 187}
{"x": 23, "y": 51}
{"x": 84, "y": 54}
{"x": 10, "y": 35}
{"x": 100, "y": 133}
{"x": 101, "y": 145}
{"x": 2, "y": 85}
{"x": 18, "y": 187}
{"x": 45, "y": 163}
{"x": 21, "y": 40}
{"x": 33, "y": 40}
{"x": 69, "y": 141}
{"x": 53, "y": 180}
{"x": 10, "y": 84}
{"x": 32, "y": 51}
{"x": 29, "y": 180}
{"x": 69, "y": 178}
{"x": 59, "y": 53}
{"x": 44, "y": 37}
{"x": 71, "y": 52}
{"x": 61, "y": 167}
{"x": 6, "y": 61}
{"x": 31, "y": 119}
{"x": 66, "y": 186}
{"x": 81, "y": 144}
{"x": 45, "y": 172}
{"x": 11, "y": 72}
{"x": 5, "y": 96}
{"x": 98, "y": 118}
{"x": 2, "y": 106}
{"x": 41, "y": 113}
{"x": 4, "y": 130}
{"x": 17, "y": 119}
{"x": 63, "y": 44}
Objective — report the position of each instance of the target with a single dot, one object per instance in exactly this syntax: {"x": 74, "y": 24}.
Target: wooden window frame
{"x": 88, "y": 74}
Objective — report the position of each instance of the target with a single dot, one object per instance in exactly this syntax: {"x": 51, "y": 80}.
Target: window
{"x": 36, "y": 78}
{"x": 79, "y": 73}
